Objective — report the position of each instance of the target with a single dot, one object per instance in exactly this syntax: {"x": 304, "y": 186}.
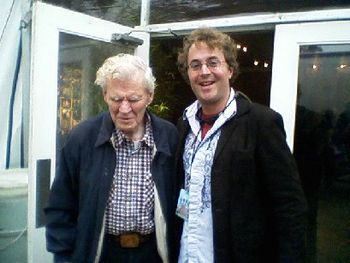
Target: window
{"x": 184, "y": 10}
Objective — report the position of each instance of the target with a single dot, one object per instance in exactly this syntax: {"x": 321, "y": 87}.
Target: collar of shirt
{"x": 118, "y": 137}
{"x": 228, "y": 113}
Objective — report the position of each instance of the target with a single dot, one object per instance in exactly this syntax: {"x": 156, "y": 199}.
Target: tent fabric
{"x": 13, "y": 81}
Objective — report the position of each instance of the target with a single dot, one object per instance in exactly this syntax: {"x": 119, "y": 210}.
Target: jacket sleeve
{"x": 62, "y": 209}
{"x": 283, "y": 187}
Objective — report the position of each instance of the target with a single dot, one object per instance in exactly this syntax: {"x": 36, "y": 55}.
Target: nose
{"x": 204, "y": 69}
{"x": 125, "y": 107}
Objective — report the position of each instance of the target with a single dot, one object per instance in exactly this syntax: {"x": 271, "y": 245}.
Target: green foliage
{"x": 161, "y": 110}
{"x": 172, "y": 94}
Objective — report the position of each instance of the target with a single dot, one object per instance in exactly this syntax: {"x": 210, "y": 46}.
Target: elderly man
{"x": 111, "y": 200}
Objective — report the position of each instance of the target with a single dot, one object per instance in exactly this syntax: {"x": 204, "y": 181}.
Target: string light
{"x": 256, "y": 62}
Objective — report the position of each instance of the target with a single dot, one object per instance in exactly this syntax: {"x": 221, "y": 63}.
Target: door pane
{"x": 322, "y": 148}
{"x": 78, "y": 97}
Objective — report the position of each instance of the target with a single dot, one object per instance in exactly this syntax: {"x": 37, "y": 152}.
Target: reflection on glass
{"x": 123, "y": 12}
{"x": 69, "y": 97}
{"x": 322, "y": 148}
{"x": 182, "y": 10}
{"x": 78, "y": 96}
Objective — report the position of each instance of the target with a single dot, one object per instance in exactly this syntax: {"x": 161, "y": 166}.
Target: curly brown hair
{"x": 214, "y": 39}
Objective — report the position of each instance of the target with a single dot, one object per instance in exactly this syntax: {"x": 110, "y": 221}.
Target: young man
{"x": 240, "y": 195}
{"x": 112, "y": 197}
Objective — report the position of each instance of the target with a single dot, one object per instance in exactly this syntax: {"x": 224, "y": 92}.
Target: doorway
{"x": 173, "y": 94}
{"x": 310, "y": 88}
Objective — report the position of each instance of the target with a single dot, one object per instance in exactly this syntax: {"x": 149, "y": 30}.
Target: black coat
{"x": 258, "y": 205}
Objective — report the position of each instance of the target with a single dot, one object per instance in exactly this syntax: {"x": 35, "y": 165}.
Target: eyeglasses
{"x": 211, "y": 63}
{"x": 130, "y": 100}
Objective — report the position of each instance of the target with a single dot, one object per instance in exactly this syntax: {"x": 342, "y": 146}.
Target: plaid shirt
{"x": 131, "y": 199}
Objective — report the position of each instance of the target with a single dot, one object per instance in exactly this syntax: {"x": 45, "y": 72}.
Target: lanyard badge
{"x": 182, "y": 204}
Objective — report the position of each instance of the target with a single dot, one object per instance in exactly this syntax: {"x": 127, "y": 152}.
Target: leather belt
{"x": 130, "y": 239}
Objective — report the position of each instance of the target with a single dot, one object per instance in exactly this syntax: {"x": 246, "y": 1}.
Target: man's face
{"x": 209, "y": 83}
{"x": 127, "y": 101}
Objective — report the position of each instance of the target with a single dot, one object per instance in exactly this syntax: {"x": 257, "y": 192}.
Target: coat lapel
{"x": 243, "y": 106}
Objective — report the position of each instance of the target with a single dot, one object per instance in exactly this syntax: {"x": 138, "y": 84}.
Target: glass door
{"x": 67, "y": 49}
{"x": 310, "y": 87}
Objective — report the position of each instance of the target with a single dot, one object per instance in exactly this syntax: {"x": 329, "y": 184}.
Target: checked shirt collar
{"x": 118, "y": 137}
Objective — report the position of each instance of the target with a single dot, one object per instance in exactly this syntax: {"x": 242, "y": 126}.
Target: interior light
{"x": 266, "y": 64}
{"x": 342, "y": 66}
{"x": 314, "y": 67}
{"x": 256, "y": 62}
{"x": 239, "y": 46}
{"x": 245, "y": 49}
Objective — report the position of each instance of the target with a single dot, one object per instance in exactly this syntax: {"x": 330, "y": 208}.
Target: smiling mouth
{"x": 206, "y": 83}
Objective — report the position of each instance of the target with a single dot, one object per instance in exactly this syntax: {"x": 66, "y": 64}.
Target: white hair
{"x": 125, "y": 67}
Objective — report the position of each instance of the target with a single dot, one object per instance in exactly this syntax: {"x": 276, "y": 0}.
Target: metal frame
{"x": 48, "y": 22}
{"x": 249, "y": 21}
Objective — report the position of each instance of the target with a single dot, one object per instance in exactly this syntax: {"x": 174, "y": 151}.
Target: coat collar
{"x": 243, "y": 107}
{"x": 243, "y": 104}
{"x": 106, "y": 129}
{"x": 161, "y": 134}
{"x": 230, "y": 109}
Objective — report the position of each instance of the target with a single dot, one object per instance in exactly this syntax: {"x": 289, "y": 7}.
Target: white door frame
{"x": 48, "y": 22}
{"x": 288, "y": 39}
{"x": 244, "y": 22}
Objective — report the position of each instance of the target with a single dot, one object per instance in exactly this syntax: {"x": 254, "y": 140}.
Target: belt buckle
{"x": 129, "y": 240}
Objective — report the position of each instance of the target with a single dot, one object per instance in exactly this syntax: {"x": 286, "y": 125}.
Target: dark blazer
{"x": 258, "y": 204}
{"x": 75, "y": 213}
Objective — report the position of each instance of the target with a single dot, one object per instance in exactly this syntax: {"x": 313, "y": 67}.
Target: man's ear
{"x": 150, "y": 99}
{"x": 232, "y": 72}
{"x": 104, "y": 94}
